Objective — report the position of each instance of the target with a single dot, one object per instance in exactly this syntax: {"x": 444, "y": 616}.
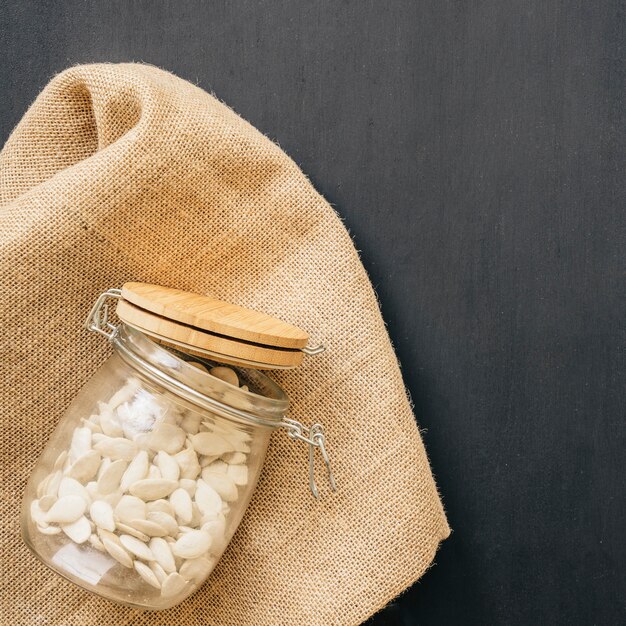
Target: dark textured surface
{"x": 475, "y": 151}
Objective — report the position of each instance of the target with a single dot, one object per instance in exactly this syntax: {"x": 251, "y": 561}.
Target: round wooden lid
{"x": 219, "y": 329}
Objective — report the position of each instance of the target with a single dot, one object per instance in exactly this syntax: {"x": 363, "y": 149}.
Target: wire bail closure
{"x": 98, "y": 321}
{"x": 314, "y": 438}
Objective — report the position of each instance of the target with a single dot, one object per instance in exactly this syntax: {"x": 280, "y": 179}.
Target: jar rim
{"x": 165, "y": 366}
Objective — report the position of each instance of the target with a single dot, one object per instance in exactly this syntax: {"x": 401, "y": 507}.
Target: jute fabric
{"x": 126, "y": 172}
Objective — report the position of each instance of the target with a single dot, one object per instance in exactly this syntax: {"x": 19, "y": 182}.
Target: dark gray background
{"x": 474, "y": 150}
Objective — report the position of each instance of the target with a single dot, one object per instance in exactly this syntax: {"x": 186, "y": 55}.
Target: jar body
{"x": 138, "y": 492}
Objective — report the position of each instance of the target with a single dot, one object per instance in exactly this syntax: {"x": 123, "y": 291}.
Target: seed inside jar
{"x": 153, "y": 499}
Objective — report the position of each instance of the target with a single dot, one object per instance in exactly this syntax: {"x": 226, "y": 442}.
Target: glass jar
{"x": 147, "y": 476}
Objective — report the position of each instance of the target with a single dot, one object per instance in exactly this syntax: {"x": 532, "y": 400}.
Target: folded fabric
{"x": 126, "y": 172}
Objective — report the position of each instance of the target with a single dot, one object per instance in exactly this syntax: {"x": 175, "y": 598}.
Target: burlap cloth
{"x": 126, "y": 172}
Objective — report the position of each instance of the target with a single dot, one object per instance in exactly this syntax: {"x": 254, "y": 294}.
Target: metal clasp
{"x": 314, "y": 438}
{"x": 98, "y": 319}
{"x": 313, "y": 350}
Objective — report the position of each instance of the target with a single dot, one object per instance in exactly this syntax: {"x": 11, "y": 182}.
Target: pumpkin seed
{"x": 136, "y": 547}
{"x": 130, "y": 508}
{"x": 162, "y": 554}
{"x": 181, "y": 501}
{"x": 85, "y": 467}
{"x": 117, "y": 552}
{"x": 192, "y": 544}
{"x": 152, "y": 488}
{"x": 78, "y": 531}
{"x": 137, "y": 469}
{"x": 173, "y": 585}
{"x": 210, "y": 444}
{"x": 110, "y": 478}
{"x": 147, "y": 574}
{"x": 102, "y": 514}
{"x": 116, "y": 448}
{"x": 167, "y": 437}
{"x": 66, "y": 510}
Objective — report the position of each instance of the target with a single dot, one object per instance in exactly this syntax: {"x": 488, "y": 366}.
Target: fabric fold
{"x": 126, "y": 172}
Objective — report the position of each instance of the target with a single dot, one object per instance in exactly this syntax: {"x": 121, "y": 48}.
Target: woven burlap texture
{"x": 126, "y": 172}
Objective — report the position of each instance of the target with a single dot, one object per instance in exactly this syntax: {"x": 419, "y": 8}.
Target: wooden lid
{"x": 203, "y": 324}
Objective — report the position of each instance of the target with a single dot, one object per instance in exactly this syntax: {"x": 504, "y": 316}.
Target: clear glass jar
{"x": 148, "y": 475}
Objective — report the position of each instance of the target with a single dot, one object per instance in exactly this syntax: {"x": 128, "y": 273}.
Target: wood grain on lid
{"x": 191, "y": 339}
{"x": 216, "y": 316}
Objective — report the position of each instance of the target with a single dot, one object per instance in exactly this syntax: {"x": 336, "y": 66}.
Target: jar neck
{"x": 264, "y": 404}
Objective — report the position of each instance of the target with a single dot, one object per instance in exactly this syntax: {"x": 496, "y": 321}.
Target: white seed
{"x": 238, "y": 474}
{"x": 154, "y": 472}
{"x": 173, "y": 585}
{"x": 142, "y": 440}
{"x": 192, "y": 544}
{"x": 217, "y": 467}
{"x": 66, "y": 510}
{"x": 130, "y": 530}
{"x": 85, "y": 467}
{"x": 210, "y": 444}
{"x": 104, "y": 464}
{"x": 216, "y": 527}
{"x": 237, "y": 441}
{"x": 188, "y": 462}
{"x": 51, "y": 487}
{"x": 105, "y": 534}
{"x": 170, "y": 470}
{"x": 71, "y": 487}
{"x": 112, "y": 498}
{"x": 92, "y": 426}
{"x": 224, "y": 485}
{"x": 160, "y": 505}
{"x": 153, "y": 488}
{"x": 110, "y": 478}
{"x": 163, "y": 554}
{"x": 37, "y": 514}
{"x": 196, "y": 516}
{"x": 58, "y": 464}
{"x": 167, "y": 437}
{"x": 158, "y": 571}
{"x": 102, "y": 515}
{"x": 226, "y": 374}
{"x": 45, "y": 502}
{"x": 117, "y": 448}
{"x": 124, "y": 394}
{"x": 191, "y": 423}
{"x": 188, "y": 485}
{"x": 136, "y": 547}
{"x": 137, "y": 470}
{"x": 181, "y": 501}
{"x": 164, "y": 520}
{"x": 108, "y": 421}
{"x": 81, "y": 443}
{"x": 49, "y": 530}
{"x": 147, "y": 574}
{"x": 196, "y": 569}
{"x": 235, "y": 458}
{"x": 149, "y": 527}
{"x": 117, "y": 552}
{"x": 95, "y": 541}
{"x": 207, "y": 499}
{"x": 205, "y": 461}
{"x": 130, "y": 508}
{"x": 78, "y": 531}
